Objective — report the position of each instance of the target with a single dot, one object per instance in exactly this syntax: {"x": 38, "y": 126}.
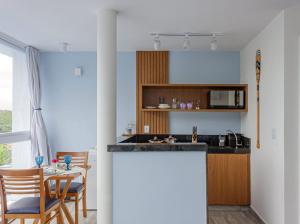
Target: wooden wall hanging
{"x": 258, "y": 72}
{"x": 152, "y": 67}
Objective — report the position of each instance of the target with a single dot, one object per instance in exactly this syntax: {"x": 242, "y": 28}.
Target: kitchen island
{"x": 162, "y": 183}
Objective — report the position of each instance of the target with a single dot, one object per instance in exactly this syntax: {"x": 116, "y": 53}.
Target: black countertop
{"x": 208, "y": 143}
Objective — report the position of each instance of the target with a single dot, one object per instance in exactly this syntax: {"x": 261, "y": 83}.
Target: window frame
{"x": 13, "y": 137}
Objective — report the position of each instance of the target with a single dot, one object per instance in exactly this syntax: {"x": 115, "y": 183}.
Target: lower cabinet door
{"x": 228, "y": 179}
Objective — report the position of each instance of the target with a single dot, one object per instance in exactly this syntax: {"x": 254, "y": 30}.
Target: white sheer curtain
{"x": 18, "y": 93}
{"x": 39, "y": 141}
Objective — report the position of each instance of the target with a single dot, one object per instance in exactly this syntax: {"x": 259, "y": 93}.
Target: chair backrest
{"x": 78, "y": 158}
{"x": 21, "y": 182}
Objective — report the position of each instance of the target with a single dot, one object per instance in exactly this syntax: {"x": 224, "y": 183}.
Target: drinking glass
{"x": 39, "y": 160}
{"x": 68, "y": 159}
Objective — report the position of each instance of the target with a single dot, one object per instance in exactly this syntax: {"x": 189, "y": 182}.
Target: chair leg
{"x": 59, "y": 218}
{"x": 76, "y": 209}
{"x": 5, "y": 221}
{"x": 48, "y": 217}
{"x": 84, "y": 203}
{"x": 43, "y": 220}
{"x": 22, "y": 221}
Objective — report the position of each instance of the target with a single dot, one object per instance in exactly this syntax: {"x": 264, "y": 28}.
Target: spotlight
{"x": 186, "y": 42}
{"x": 213, "y": 43}
{"x": 156, "y": 42}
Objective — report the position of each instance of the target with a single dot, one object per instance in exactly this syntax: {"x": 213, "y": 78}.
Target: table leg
{"x": 57, "y": 184}
{"x": 62, "y": 199}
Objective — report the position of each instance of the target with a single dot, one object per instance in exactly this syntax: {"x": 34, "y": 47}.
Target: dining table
{"x": 57, "y": 176}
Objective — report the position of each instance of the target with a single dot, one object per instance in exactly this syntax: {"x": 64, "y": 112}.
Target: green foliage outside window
{"x": 5, "y": 154}
{"x": 5, "y": 121}
{"x": 5, "y": 126}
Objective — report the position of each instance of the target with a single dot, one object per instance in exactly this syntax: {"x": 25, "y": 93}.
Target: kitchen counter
{"x": 208, "y": 143}
{"x": 162, "y": 183}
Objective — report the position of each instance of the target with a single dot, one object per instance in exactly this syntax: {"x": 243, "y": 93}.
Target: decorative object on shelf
{"x": 182, "y": 106}
{"x": 164, "y": 106}
{"x": 197, "y": 106}
{"x": 194, "y": 135}
{"x": 258, "y": 72}
{"x": 150, "y": 107}
{"x": 174, "y": 103}
{"x": 189, "y": 105}
{"x": 161, "y": 100}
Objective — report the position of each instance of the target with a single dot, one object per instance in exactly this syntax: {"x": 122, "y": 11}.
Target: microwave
{"x": 226, "y": 99}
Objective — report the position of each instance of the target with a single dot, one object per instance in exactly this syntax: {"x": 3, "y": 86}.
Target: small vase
{"x": 182, "y": 106}
{"x": 190, "y": 105}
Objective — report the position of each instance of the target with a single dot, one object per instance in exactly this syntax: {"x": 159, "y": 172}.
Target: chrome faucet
{"x": 236, "y": 139}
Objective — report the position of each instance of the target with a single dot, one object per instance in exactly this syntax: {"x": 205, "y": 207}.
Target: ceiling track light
{"x": 156, "y": 42}
{"x": 186, "y": 42}
{"x": 213, "y": 43}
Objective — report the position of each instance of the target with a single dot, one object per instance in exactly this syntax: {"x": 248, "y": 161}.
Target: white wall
{"x": 267, "y": 164}
{"x": 291, "y": 114}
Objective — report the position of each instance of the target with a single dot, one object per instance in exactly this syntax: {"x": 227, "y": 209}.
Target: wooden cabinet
{"x": 228, "y": 179}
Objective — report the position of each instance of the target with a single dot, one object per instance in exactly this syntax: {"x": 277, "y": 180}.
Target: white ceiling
{"x": 46, "y": 23}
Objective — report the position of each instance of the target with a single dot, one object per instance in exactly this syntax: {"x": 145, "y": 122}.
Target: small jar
{"x": 174, "y": 103}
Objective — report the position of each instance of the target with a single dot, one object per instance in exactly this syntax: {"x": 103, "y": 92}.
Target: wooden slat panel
{"x": 152, "y": 67}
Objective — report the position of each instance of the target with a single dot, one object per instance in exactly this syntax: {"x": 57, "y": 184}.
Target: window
{"x": 14, "y": 109}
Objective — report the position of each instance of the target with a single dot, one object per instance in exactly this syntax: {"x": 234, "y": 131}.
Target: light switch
{"x": 78, "y": 71}
{"x": 146, "y": 129}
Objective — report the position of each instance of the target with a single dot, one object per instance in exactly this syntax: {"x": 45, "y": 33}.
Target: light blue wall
{"x": 162, "y": 188}
{"x": 126, "y": 91}
{"x": 69, "y": 102}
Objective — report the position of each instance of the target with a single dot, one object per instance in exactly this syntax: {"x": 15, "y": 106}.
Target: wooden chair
{"x": 77, "y": 190}
{"x": 27, "y": 182}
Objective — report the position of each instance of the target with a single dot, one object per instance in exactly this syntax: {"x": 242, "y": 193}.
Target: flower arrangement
{"x": 54, "y": 163}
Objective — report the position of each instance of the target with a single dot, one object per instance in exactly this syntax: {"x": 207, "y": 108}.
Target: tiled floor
{"x": 232, "y": 215}
{"x": 217, "y": 215}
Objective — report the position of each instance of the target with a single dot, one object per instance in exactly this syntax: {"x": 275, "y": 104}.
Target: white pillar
{"x": 106, "y": 110}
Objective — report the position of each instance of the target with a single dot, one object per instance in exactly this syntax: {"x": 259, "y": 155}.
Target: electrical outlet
{"x": 146, "y": 129}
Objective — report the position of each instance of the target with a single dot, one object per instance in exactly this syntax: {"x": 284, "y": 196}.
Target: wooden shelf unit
{"x": 188, "y": 93}
{"x": 193, "y": 110}
{"x": 152, "y": 81}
